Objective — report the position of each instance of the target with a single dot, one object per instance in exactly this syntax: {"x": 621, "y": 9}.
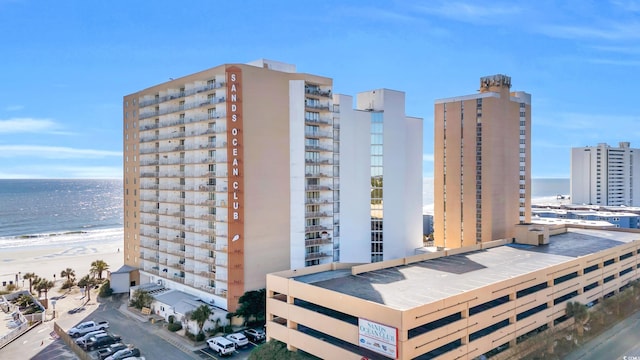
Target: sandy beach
{"x": 48, "y": 257}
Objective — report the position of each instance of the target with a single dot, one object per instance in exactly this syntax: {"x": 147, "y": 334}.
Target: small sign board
{"x": 378, "y": 338}
{"x": 146, "y": 311}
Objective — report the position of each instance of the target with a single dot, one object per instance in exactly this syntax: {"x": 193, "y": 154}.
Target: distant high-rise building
{"x": 234, "y": 172}
{"x": 482, "y": 171}
{"x": 604, "y": 175}
{"x": 380, "y": 177}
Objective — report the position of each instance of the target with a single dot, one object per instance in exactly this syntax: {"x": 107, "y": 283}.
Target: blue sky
{"x": 66, "y": 65}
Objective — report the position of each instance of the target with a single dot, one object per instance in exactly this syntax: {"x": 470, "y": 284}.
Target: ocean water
{"x": 44, "y": 211}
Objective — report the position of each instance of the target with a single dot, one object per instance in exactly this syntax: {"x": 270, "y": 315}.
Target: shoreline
{"x": 46, "y": 259}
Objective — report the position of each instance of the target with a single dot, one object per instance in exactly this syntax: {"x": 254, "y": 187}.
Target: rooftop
{"x": 407, "y": 286}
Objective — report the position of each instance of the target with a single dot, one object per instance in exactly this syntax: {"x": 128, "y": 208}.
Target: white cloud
{"x": 30, "y": 125}
{"x": 613, "y": 31}
{"x": 54, "y": 152}
{"x": 14, "y": 107}
{"x": 427, "y": 157}
{"x": 471, "y": 12}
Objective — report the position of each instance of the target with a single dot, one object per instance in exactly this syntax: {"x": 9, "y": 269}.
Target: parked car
{"x": 255, "y": 335}
{"x": 221, "y": 345}
{"x": 99, "y": 341}
{"x": 123, "y": 354}
{"x": 81, "y": 340}
{"x": 110, "y": 350}
{"x": 87, "y": 327}
{"x": 238, "y": 339}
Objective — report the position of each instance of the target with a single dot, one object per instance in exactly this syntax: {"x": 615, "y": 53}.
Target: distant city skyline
{"x": 65, "y": 73}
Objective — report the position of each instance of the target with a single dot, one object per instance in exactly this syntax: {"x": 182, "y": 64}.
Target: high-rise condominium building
{"x": 604, "y": 175}
{"x": 482, "y": 164}
{"x": 380, "y": 177}
{"x": 229, "y": 174}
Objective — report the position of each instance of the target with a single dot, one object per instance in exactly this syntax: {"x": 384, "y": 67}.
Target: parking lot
{"x": 239, "y": 354}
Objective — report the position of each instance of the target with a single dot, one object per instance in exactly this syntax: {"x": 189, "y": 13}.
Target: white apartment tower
{"x": 380, "y": 177}
{"x": 605, "y": 175}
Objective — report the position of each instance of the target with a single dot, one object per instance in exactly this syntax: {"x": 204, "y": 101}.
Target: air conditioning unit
{"x": 161, "y": 282}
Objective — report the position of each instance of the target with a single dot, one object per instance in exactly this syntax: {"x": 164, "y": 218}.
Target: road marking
{"x": 41, "y": 330}
{"x": 24, "y": 342}
{"x": 207, "y": 354}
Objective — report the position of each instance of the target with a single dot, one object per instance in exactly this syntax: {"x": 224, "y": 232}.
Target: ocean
{"x": 44, "y": 211}
{"x": 38, "y": 212}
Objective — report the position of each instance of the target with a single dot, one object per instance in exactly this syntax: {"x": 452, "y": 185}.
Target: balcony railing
{"x": 195, "y": 90}
{"x": 317, "y": 106}
{"x": 317, "y": 91}
{"x": 315, "y": 242}
{"x": 317, "y": 255}
{"x": 311, "y": 147}
{"x": 191, "y": 105}
{"x": 182, "y": 121}
{"x": 313, "y": 228}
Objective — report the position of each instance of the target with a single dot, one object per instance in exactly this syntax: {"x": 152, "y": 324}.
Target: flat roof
{"x": 408, "y": 286}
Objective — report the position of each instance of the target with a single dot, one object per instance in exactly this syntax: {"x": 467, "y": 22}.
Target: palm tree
{"x": 580, "y": 315}
{"x": 87, "y": 282}
{"x": 68, "y": 273}
{"x": 44, "y": 285}
{"x": 200, "y": 315}
{"x": 30, "y": 276}
{"x": 97, "y": 267}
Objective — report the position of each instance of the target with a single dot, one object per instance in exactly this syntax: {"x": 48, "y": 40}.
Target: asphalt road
{"x": 620, "y": 342}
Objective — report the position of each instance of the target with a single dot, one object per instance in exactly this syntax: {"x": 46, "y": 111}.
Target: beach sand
{"x": 47, "y": 260}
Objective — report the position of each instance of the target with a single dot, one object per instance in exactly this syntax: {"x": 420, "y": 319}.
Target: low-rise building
{"x": 453, "y": 304}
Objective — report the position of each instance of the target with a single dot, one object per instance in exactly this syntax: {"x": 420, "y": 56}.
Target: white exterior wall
{"x": 402, "y": 174}
{"x": 355, "y": 177}
{"x": 582, "y": 176}
{"x": 119, "y": 282}
{"x": 297, "y": 173}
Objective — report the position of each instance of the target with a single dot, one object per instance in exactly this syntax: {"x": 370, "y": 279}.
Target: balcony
{"x": 312, "y": 90}
{"x": 181, "y": 94}
{"x": 316, "y": 242}
{"x": 319, "y": 134}
{"x": 320, "y": 121}
{"x": 208, "y": 245}
{"x": 315, "y": 106}
{"x": 314, "y": 228}
{"x": 313, "y": 147}
{"x": 317, "y": 255}
{"x": 317, "y": 187}
{"x": 316, "y": 214}
{"x": 209, "y": 275}
{"x": 183, "y": 107}
{"x": 317, "y": 201}
{"x": 319, "y": 161}
{"x": 318, "y": 175}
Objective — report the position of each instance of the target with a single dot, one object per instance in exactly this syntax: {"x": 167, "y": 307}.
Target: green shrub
{"x": 200, "y": 337}
{"x": 12, "y": 287}
{"x": 105, "y": 289}
{"x": 172, "y": 319}
{"x": 173, "y": 327}
{"x": 67, "y": 284}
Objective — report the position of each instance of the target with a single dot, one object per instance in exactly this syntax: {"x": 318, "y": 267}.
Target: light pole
{"x": 53, "y": 304}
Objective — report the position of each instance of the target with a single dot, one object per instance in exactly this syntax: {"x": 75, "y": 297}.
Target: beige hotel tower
{"x": 222, "y": 168}
{"x": 482, "y": 185}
